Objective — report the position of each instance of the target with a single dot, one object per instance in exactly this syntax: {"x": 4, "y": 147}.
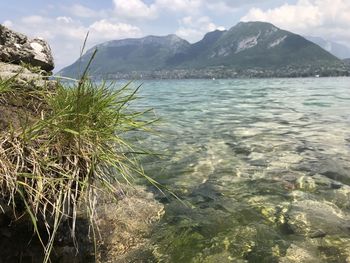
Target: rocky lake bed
{"x": 263, "y": 164}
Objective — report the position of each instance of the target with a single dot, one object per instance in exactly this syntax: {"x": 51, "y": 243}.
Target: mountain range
{"x": 249, "y": 49}
{"x": 338, "y": 50}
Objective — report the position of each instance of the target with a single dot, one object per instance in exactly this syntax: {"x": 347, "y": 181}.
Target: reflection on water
{"x": 263, "y": 164}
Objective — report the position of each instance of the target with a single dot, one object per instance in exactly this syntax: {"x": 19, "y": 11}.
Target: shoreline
{"x": 184, "y": 75}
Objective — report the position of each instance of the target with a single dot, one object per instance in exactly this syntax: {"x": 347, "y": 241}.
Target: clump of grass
{"x": 33, "y": 69}
{"x": 6, "y": 85}
{"x": 75, "y": 149}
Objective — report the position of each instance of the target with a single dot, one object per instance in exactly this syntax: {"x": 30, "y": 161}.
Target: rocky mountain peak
{"x": 214, "y": 35}
{"x": 247, "y": 47}
{"x": 171, "y": 40}
{"x": 255, "y": 24}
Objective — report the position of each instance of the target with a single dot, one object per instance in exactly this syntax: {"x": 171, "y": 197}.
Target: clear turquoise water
{"x": 263, "y": 164}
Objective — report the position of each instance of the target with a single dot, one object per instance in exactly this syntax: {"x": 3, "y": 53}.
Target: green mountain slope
{"x": 261, "y": 45}
{"x": 339, "y": 50}
{"x": 347, "y": 61}
{"x": 127, "y": 55}
{"x": 246, "y": 47}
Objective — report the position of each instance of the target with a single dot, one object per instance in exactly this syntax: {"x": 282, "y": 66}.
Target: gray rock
{"x": 301, "y": 253}
{"x": 124, "y": 233}
{"x": 318, "y": 234}
{"x": 14, "y": 110}
{"x": 336, "y": 169}
{"x": 16, "y": 48}
{"x": 125, "y": 226}
{"x": 24, "y": 77}
{"x": 309, "y": 217}
{"x": 18, "y": 73}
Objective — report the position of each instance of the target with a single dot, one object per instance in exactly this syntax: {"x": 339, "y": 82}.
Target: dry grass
{"x": 49, "y": 169}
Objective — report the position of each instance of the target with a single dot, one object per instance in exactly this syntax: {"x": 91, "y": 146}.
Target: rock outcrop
{"x": 24, "y": 65}
{"x": 16, "y": 110}
{"x": 16, "y": 48}
{"x": 23, "y": 76}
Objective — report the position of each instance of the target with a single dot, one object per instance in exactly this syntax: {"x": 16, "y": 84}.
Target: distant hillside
{"x": 247, "y": 49}
{"x": 125, "y": 55}
{"x": 347, "y": 61}
{"x": 338, "y": 50}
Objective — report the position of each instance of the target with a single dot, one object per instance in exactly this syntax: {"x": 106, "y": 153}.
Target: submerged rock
{"x": 336, "y": 249}
{"x": 124, "y": 233}
{"x": 16, "y": 48}
{"x": 125, "y": 226}
{"x": 318, "y": 234}
{"x": 308, "y": 217}
{"x": 336, "y": 169}
{"x": 298, "y": 254}
{"x": 223, "y": 257}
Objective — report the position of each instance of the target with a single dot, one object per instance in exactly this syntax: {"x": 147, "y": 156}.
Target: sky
{"x": 64, "y": 24}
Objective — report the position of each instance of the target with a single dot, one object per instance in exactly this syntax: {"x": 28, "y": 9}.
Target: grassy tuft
{"x": 76, "y": 148}
{"x": 6, "y": 85}
{"x": 33, "y": 69}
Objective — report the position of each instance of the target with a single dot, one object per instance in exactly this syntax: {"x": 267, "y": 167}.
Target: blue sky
{"x": 64, "y": 23}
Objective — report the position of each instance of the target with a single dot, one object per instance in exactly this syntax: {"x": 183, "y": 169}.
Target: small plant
{"x": 6, "y": 85}
{"x": 33, "y": 69}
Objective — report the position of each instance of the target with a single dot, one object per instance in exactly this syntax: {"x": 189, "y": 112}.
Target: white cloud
{"x": 83, "y": 11}
{"x": 135, "y": 9}
{"x": 108, "y": 30}
{"x": 64, "y": 19}
{"x": 8, "y": 23}
{"x": 66, "y": 35}
{"x": 221, "y": 7}
{"x": 328, "y": 18}
{"x": 198, "y": 6}
{"x": 139, "y": 9}
{"x": 301, "y": 16}
{"x": 188, "y": 6}
{"x": 33, "y": 19}
{"x": 193, "y": 28}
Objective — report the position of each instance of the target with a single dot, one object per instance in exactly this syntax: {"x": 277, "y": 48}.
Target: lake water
{"x": 263, "y": 166}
